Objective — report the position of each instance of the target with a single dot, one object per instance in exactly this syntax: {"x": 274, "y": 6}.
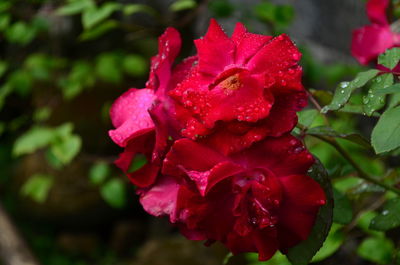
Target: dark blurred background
{"x": 62, "y": 64}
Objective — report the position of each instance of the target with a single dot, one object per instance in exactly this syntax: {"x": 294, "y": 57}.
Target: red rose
{"x": 257, "y": 200}
{"x": 370, "y": 41}
{"x": 217, "y": 127}
{"x": 242, "y": 89}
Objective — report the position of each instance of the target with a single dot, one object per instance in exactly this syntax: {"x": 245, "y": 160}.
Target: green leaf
{"x": 67, "y": 148}
{"x": 21, "y": 33}
{"x": 376, "y": 249}
{"x": 389, "y": 90}
{"x": 135, "y": 65}
{"x": 332, "y": 243}
{"x": 98, "y": 173}
{"x": 98, "y": 30}
{"x": 32, "y": 140}
{"x": 108, "y": 67}
{"x": 342, "y": 210}
{"x": 180, "y": 5}
{"x": 389, "y": 218}
{"x": 113, "y": 192}
{"x": 136, "y": 8}
{"x": 390, "y": 58}
{"x": 21, "y": 81}
{"x": 42, "y": 114}
{"x": 93, "y": 16}
{"x": 5, "y": 90}
{"x": 75, "y": 7}
{"x": 373, "y": 101}
{"x": 303, "y": 253}
{"x": 307, "y": 117}
{"x": 137, "y": 163}
{"x": 5, "y": 20}
{"x": 265, "y": 11}
{"x": 386, "y": 134}
{"x": 3, "y": 67}
{"x": 327, "y": 131}
{"x": 344, "y": 90}
{"x": 394, "y": 100}
{"x": 37, "y": 187}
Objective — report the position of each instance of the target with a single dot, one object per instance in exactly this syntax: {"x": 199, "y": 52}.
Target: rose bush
{"x": 371, "y": 40}
{"x": 214, "y": 129}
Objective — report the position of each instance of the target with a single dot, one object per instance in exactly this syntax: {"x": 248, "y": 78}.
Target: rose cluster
{"x": 215, "y": 132}
{"x": 371, "y": 40}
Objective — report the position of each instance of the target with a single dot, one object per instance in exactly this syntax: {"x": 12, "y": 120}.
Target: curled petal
{"x": 129, "y": 115}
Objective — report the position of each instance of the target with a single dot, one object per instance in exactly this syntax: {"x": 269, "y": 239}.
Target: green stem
{"x": 361, "y": 173}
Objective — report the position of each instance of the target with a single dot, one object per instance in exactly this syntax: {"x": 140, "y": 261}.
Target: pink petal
{"x": 161, "y": 199}
{"x": 129, "y": 115}
{"x": 370, "y": 41}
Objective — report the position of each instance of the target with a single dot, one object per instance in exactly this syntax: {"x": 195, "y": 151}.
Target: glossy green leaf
{"x": 390, "y": 58}
{"x": 376, "y": 249}
{"x": 304, "y": 252}
{"x": 37, "y": 187}
{"x": 114, "y": 193}
{"x": 342, "y": 210}
{"x": 374, "y": 101}
{"x": 386, "y": 134}
{"x": 389, "y": 218}
{"x": 98, "y": 173}
{"x": 394, "y": 100}
{"x": 389, "y": 90}
{"x": 332, "y": 243}
{"x": 345, "y": 89}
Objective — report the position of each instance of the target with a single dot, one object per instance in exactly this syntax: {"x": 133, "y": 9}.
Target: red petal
{"x": 202, "y": 164}
{"x": 283, "y": 156}
{"x": 376, "y": 11}
{"x": 280, "y": 54}
{"x": 169, "y": 45}
{"x": 247, "y": 44}
{"x": 146, "y": 175}
{"x": 129, "y": 115}
{"x": 215, "y": 50}
{"x": 266, "y": 242}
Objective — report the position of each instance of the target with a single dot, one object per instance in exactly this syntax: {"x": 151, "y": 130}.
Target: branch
{"x": 13, "y": 250}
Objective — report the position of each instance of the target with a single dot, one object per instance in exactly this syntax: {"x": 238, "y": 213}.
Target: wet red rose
{"x": 371, "y": 40}
{"x": 257, "y": 200}
{"x": 241, "y": 90}
{"x": 214, "y": 130}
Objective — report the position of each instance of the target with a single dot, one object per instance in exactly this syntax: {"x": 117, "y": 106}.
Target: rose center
{"x": 231, "y": 83}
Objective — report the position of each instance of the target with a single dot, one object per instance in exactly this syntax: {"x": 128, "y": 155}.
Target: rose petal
{"x": 129, "y": 115}
{"x": 376, "y": 11}
{"x": 215, "y": 50}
